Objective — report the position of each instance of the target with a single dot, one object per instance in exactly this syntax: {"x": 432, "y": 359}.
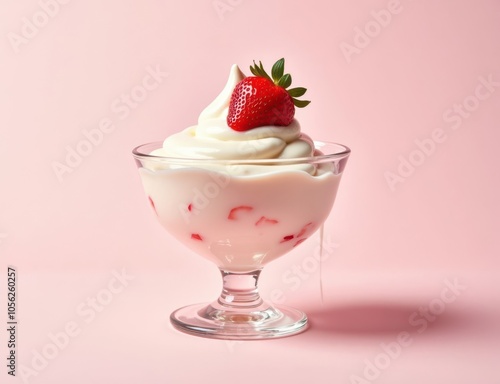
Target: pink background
{"x": 394, "y": 248}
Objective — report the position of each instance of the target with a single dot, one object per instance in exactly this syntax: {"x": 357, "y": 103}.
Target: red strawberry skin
{"x": 257, "y": 101}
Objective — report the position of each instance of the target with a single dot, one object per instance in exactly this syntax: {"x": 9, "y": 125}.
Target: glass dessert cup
{"x": 241, "y": 214}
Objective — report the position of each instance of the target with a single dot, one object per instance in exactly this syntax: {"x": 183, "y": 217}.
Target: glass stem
{"x": 240, "y": 290}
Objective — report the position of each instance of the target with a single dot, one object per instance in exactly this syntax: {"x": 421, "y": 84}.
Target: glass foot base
{"x": 208, "y": 321}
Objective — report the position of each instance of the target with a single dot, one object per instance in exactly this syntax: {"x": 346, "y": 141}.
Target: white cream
{"x": 240, "y": 223}
{"x": 218, "y": 108}
{"x": 212, "y": 138}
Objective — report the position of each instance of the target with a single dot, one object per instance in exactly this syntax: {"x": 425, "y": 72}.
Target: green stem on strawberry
{"x": 282, "y": 80}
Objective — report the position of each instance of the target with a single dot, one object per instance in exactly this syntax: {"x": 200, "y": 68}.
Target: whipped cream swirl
{"x": 212, "y": 138}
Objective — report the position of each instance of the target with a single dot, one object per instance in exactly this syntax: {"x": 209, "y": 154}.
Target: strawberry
{"x": 261, "y": 100}
{"x": 233, "y": 213}
{"x": 265, "y": 220}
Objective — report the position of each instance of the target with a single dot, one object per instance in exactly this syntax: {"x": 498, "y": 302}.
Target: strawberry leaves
{"x": 297, "y": 92}
{"x": 281, "y": 79}
{"x": 259, "y": 71}
{"x": 300, "y": 103}
{"x": 278, "y": 70}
